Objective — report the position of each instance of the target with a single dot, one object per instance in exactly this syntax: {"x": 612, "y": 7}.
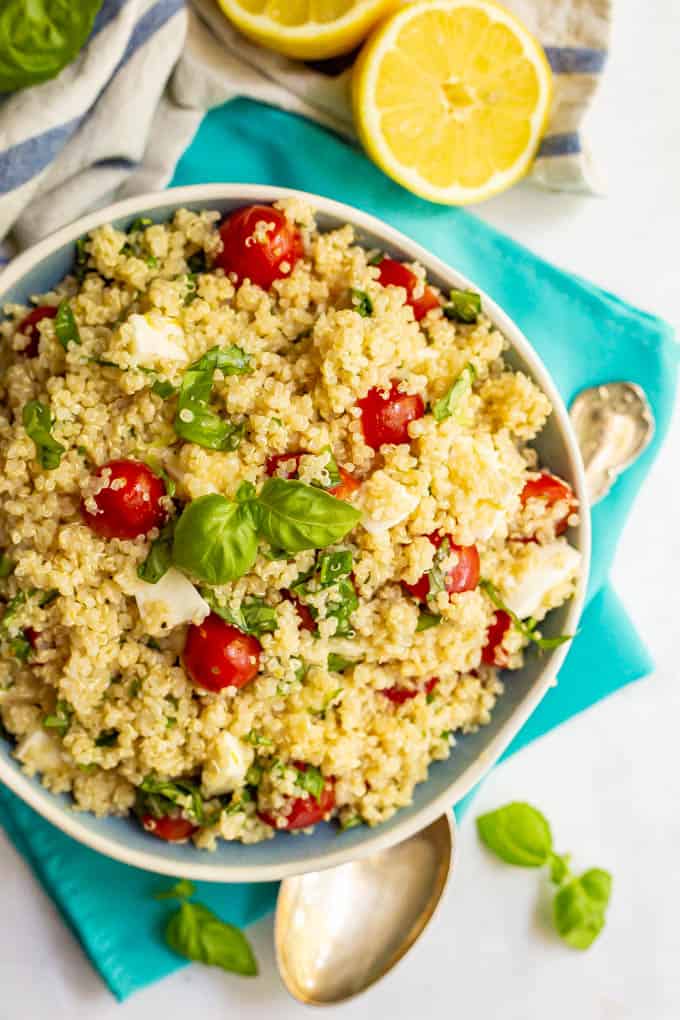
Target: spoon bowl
{"x": 339, "y": 931}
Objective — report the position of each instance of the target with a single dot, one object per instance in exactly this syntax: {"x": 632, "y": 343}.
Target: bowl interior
{"x": 38, "y": 271}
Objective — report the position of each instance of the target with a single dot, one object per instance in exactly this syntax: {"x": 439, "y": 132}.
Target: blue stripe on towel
{"x": 566, "y": 144}
{"x": 575, "y": 59}
{"x": 107, "y": 12}
{"x": 21, "y": 162}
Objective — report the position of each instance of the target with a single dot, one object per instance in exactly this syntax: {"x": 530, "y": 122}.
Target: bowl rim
{"x": 49, "y": 807}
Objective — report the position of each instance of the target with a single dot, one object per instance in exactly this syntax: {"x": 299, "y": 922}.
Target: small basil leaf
{"x": 294, "y": 516}
{"x": 465, "y": 306}
{"x": 333, "y": 566}
{"x": 60, "y": 719}
{"x": 580, "y": 907}
{"x": 194, "y": 420}
{"x": 107, "y": 738}
{"x": 215, "y": 540}
{"x": 37, "y": 421}
{"x": 446, "y": 405}
{"x": 39, "y": 38}
{"x": 65, "y": 325}
{"x": 6, "y": 565}
{"x": 160, "y": 795}
{"x": 362, "y": 303}
{"x": 525, "y": 627}
{"x": 427, "y": 620}
{"x": 518, "y": 834}
{"x": 197, "y": 934}
{"x": 338, "y": 663}
{"x": 164, "y": 389}
{"x": 340, "y": 606}
{"x": 20, "y": 647}
{"x": 311, "y": 781}
{"x": 332, "y": 469}
{"x": 376, "y": 259}
{"x": 159, "y": 557}
{"x": 182, "y": 890}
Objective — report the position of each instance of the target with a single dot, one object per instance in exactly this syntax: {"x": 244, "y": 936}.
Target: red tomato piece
{"x": 273, "y": 462}
{"x": 552, "y": 490}
{"x": 259, "y": 244}
{"x": 172, "y": 830}
{"x": 396, "y": 274}
{"x": 346, "y": 486}
{"x": 492, "y": 653}
{"x": 305, "y": 811}
{"x": 385, "y": 419}
{"x": 29, "y": 327}
{"x": 398, "y": 695}
{"x": 463, "y": 577}
{"x": 130, "y": 503}
{"x": 307, "y": 621}
{"x": 217, "y": 655}
{"x": 31, "y": 635}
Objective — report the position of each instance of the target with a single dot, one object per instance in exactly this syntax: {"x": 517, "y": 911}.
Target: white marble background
{"x": 609, "y": 780}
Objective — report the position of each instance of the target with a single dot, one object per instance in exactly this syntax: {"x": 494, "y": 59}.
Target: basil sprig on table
{"x": 195, "y": 421}
{"x": 39, "y": 38}
{"x": 196, "y": 933}
{"x": 216, "y": 538}
{"x": 447, "y": 405}
{"x": 37, "y": 421}
{"x": 520, "y": 835}
{"x": 526, "y": 627}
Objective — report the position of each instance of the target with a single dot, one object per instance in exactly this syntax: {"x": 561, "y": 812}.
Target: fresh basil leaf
{"x": 294, "y": 516}
{"x": 194, "y": 420}
{"x": 159, "y": 557}
{"x": 333, "y": 566}
{"x": 311, "y": 781}
{"x": 525, "y": 627}
{"x": 215, "y": 540}
{"x": 164, "y": 389}
{"x": 107, "y": 738}
{"x": 182, "y": 890}
{"x": 559, "y": 867}
{"x": 197, "y": 934}
{"x": 340, "y": 607}
{"x": 518, "y": 833}
{"x": 446, "y": 405}
{"x": 7, "y": 565}
{"x": 427, "y": 620}
{"x": 362, "y": 303}
{"x": 20, "y": 647}
{"x": 580, "y": 908}
{"x": 39, "y": 38}
{"x": 197, "y": 262}
{"x": 37, "y": 421}
{"x": 338, "y": 663}
{"x": 60, "y": 719}
{"x": 465, "y": 306}
{"x": 245, "y": 492}
{"x": 65, "y": 325}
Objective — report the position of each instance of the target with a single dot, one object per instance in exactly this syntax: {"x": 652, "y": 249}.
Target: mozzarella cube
{"x": 39, "y": 751}
{"x": 539, "y": 571}
{"x": 385, "y": 503}
{"x": 171, "y": 601}
{"x": 228, "y": 761}
{"x": 154, "y": 338}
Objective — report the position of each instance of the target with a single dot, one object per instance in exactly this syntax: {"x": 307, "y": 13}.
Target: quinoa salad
{"x": 272, "y": 532}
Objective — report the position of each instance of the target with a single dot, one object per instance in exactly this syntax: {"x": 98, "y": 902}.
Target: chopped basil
{"x": 254, "y": 775}
{"x": 258, "y": 739}
{"x": 311, "y": 781}
{"x": 164, "y": 389}
{"x": 351, "y": 822}
{"x": 140, "y": 223}
{"x": 197, "y": 262}
{"x": 465, "y": 306}
{"x": 7, "y": 565}
{"x": 135, "y": 687}
{"x": 65, "y": 325}
{"x": 301, "y": 672}
{"x": 332, "y": 469}
{"x": 338, "y": 663}
{"x": 107, "y": 738}
{"x": 197, "y": 934}
{"x": 60, "y": 719}
{"x": 20, "y": 647}
{"x": 253, "y": 616}
{"x": 182, "y": 890}
{"x": 427, "y": 620}
{"x": 136, "y": 246}
{"x": 151, "y": 261}
{"x": 362, "y": 303}
{"x": 80, "y": 260}
{"x": 376, "y": 259}
{"x": 194, "y": 420}
{"x": 11, "y": 609}
{"x": 37, "y": 421}
{"x": 333, "y": 566}
{"x": 159, "y": 796}
{"x": 340, "y": 607}
{"x": 159, "y": 557}
{"x": 446, "y": 405}
{"x": 526, "y": 627}
{"x": 327, "y": 702}
{"x": 436, "y": 575}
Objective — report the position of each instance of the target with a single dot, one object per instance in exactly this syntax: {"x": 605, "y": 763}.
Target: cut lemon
{"x": 307, "y": 29}
{"x": 451, "y": 98}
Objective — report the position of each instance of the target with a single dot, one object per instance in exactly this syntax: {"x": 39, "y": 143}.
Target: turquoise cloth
{"x": 583, "y": 334}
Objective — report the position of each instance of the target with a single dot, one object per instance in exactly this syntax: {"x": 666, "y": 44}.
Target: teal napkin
{"x": 584, "y": 335}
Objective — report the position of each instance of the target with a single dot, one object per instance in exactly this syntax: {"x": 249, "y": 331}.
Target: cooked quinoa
{"x": 359, "y": 683}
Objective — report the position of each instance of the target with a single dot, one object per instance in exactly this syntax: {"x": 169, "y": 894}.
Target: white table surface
{"x": 606, "y": 779}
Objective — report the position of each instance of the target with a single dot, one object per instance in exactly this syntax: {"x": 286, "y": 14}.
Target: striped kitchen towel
{"x": 116, "y": 120}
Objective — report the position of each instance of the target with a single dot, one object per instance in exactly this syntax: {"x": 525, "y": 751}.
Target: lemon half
{"x": 451, "y": 98}
{"x": 307, "y": 29}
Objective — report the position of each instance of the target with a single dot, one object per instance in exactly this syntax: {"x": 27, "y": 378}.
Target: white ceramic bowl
{"x": 43, "y": 266}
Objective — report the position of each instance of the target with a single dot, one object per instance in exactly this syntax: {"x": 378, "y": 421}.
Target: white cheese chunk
{"x": 385, "y": 503}
{"x": 228, "y": 760}
{"x": 179, "y": 601}
{"x": 541, "y": 570}
{"x": 39, "y": 751}
{"x": 154, "y": 338}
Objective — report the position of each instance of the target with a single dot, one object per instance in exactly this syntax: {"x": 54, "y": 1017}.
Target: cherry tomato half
{"x": 130, "y": 504}
{"x": 492, "y": 653}
{"x": 397, "y": 274}
{"x": 464, "y": 576}
{"x": 385, "y": 419}
{"x": 218, "y": 655}
{"x": 259, "y": 243}
{"x": 398, "y": 695}
{"x": 172, "y": 830}
{"x": 305, "y": 811}
{"x": 552, "y": 490}
{"x": 307, "y": 621}
{"x": 346, "y": 486}
{"x": 29, "y": 327}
